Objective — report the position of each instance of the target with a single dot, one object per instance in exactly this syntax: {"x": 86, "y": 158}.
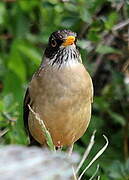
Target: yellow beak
{"x": 69, "y": 41}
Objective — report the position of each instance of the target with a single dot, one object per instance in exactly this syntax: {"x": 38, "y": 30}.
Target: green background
{"x": 25, "y": 26}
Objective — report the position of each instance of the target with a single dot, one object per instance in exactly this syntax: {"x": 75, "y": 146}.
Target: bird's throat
{"x": 65, "y": 56}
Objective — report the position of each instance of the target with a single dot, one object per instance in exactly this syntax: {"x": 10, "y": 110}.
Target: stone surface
{"x": 32, "y": 163}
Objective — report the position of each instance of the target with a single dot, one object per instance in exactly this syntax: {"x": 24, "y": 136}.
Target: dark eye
{"x": 53, "y": 43}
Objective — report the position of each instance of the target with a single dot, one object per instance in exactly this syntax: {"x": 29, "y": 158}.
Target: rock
{"x": 33, "y": 163}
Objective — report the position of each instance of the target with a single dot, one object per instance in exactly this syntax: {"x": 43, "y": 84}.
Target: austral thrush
{"x": 60, "y": 92}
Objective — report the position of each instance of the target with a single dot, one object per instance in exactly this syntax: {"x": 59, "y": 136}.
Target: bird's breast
{"x": 62, "y": 98}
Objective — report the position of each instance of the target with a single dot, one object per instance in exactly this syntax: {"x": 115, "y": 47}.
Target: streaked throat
{"x": 65, "y": 56}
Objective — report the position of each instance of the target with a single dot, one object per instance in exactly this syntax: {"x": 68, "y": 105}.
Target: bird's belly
{"x": 64, "y": 105}
{"x": 65, "y": 122}
{"x": 65, "y": 115}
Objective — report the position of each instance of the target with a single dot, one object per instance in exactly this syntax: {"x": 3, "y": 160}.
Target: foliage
{"x": 103, "y": 43}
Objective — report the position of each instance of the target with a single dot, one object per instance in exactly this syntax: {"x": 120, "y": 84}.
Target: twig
{"x": 3, "y": 132}
{"x": 96, "y": 157}
{"x": 74, "y": 173}
{"x": 87, "y": 151}
{"x": 98, "y": 178}
{"x": 8, "y": 117}
{"x": 44, "y": 129}
{"x": 120, "y": 25}
{"x": 70, "y": 149}
{"x": 107, "y": 42}
{"x": 125, "y": 66}
{"x": 128, "y": 38}
{"x": 95, "y": 173}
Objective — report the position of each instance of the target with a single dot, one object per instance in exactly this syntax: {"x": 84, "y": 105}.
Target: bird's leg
{"x": 70, "y": 149}
{"x": 58, "y": 148}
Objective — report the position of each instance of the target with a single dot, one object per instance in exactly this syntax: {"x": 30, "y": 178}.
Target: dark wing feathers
{"x": 26, "y": 110}
{"x": 27, "y": 101}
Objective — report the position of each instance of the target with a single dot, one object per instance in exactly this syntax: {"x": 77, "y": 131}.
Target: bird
{"x": 60, "y": 92}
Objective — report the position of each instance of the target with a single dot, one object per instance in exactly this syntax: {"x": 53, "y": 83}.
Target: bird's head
{"x": 61, "y": 43}
{"x": 62, "y": 38}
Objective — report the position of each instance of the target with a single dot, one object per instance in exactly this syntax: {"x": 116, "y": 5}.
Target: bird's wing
{"x": 28, "y": 101}
{"x": 26, "y": 110}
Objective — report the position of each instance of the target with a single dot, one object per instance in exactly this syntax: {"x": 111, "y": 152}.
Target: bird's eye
{"x": 53, "y": 43}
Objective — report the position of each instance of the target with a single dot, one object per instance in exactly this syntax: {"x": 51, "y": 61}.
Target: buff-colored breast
{"x": 62, "y": 98}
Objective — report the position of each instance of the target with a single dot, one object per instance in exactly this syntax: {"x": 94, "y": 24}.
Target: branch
{"x": 120, "y": 25}
{"x": 2, "y": 133}
{"x": 108, "y": 41}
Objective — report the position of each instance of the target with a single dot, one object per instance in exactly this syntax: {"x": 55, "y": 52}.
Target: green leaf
{"x": 117, "y": 118}
{"x": 85, "y": 16}
{"x": 84, "y": 44}
{"x": 67, "y": 22}
{"x": 100, "y": 104}
{"x": 27, "y": 7}
{"x": 103, "y": 49}
{"x": 118, "y": 171}
{"x": 2, "y": 12}
{"x": 127, "y": 166}
{"x": 8, "y": 101}
{"x": 1, "y": 105}
{"x": 30, "y": 52}
{"x": 111, "y": 21}
{"x": 16, "y": 63}
{"x": 93, "y": 36}
{"x": 71, "y": 7}
{"x": 12, "y": 84}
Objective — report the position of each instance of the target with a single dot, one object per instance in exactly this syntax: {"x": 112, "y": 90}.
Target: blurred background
{"x": 103, "y": 31}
